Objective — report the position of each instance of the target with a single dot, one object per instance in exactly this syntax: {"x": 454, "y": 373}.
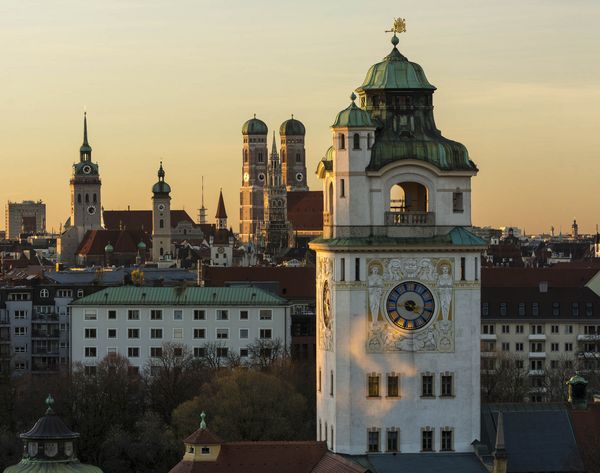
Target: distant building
{"x": 25, "y": 217}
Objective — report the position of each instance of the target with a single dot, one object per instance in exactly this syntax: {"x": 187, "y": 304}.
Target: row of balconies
{"x": 45, "y": 317}
{"x": 531, "y": 354}
{"x": 534, "y": 337}
{"x": 45, "y": 333}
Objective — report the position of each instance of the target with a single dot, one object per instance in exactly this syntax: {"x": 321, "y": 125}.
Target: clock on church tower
{"x": 397, "y": 274}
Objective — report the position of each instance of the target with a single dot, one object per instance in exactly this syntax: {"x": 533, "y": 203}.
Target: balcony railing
{"x": 410, "y": 218}
{"x": 45, "y": 352}
{"x": 488, "y": 336}
{"x": 537, "y": 354}
{"x": 588, "y": 337}
{"x": 537, "y": 337}
{"x": 45, "y": 334}
{"x": 44, "y": 317}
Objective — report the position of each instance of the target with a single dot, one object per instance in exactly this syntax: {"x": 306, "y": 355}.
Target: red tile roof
{"x": 555, "y": 276}
{"x": 332, "y": 463}
{"x": 305, "y": 210}
{"x": 292, "y": 283}
{"x": 586, "y": 424}
{"x": 138, "y": 219}
{"x": 123, "y": 241}
{"x": 203, "y": 437}
{"x": 260, "y": 457}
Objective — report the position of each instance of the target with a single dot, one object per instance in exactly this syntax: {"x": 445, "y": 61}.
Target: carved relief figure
{"x": 445, "y": 290}
{"x": 375, "y": 292}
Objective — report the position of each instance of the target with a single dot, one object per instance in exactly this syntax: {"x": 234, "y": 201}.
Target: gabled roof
{"x": 123, "y": 241}
{"x": 161, "y": 296}
{"x": 202, "y": 436}
{"x": 138, "y": 219}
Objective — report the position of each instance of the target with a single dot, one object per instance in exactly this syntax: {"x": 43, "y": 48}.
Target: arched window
{"x": 161, "y": 223}
{"x": 245, "y": 155}
{"x": 408, "y": 197}
{"x": 342, "y": 141}
{"x": 356, "y": 139}
{"x": 298, "y": 158}
{"x": 161, "y": 251}
{"x": 87, "y": 198}
{"x": 95, "y": 198}
{"x": 260, "y": 157}
{"x": 330, "y": 200}
{"x": 79, "y": 198}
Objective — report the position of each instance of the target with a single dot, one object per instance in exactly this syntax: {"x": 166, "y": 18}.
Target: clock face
{"x": 87, "y": 169}
{"x": 220, "y": 249}
{"x": 91, "y": 210}
{"x": 299, "y": 177}
{"x": 246, "y": 177}
{"x": 326, "y": 305}
{"x": 161, "y": 207}
{"x": 410, "y": 305}
{"x": 261, "y": 177}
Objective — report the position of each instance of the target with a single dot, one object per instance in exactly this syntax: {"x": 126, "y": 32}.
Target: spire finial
{"x": 49, "y": 404}
{"x": 203, "y": 421}
{"x": 161, "y": 172}
{"x": 255, "y": 115}
{"x": 292, "y": 116}
{"x": 85, "y": 137}
{"x": 398, "y": 27}
{"x": 202, "y": 191}
{"x": 353, "y": 96}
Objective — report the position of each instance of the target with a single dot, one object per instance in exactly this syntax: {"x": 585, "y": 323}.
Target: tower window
{"x": 342, "y": 269}
{"x": 457, "y": 202}
{"x": 331, "y": 383}
{"x": 260, "y": 157}
{"x": 369, "y": 141}
{"x": 463, "y": 268}
{"x": 342, "y": 188}
{"x": 161, "y": 223}
{"x": 373, "y": 385}
{"x": 87, "y": 198}
{"x": 298, "y": 157}
{"x": 95, "y": 198}
{"x": 79, "y": 198}
{"x": 373, "y": 440}
{"x": 245, "y": 155}
{"x": 357, "y": 269}
{"x": 283, "y": 156}
{"x": 356, "y": 139}
{"x": 342, "y": 141}
{"x": 319, "y": 381}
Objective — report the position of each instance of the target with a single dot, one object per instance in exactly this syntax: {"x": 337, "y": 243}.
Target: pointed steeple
{"x": 500, "y": 446}
{"x": 273, "y": 147}
{"x": 85, "y": 152}
{"x": 202, "y": 209}
{"x": 221, "y": 215}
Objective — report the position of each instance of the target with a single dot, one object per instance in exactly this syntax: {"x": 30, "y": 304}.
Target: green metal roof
{"x": 36, "y": 466}
{"x": 78, "y": 168}
{"x": 157, "y": 296}
{"x": 292, "y": 127}
{"x": 458, "y": 236}
{"x": 353, "y": 116}
{"x": 254, "y": 126}
{"x": 161, "y": 187}
{"x": 395, "y": 72}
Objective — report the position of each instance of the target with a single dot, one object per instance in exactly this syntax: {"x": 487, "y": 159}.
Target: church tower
{"x": 398, "y": 291}
{"x": 293, "y": 155}
{"x": 85, "y": 188}
{"x": 254, "y": 175}
{"x": 276, "y": 231}
{"x": 161, "y": 217}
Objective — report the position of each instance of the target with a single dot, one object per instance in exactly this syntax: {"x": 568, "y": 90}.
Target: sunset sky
{"x": 518, "y": 83}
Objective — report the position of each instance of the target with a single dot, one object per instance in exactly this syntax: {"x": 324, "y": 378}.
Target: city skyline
{"x": 519, "y": 91}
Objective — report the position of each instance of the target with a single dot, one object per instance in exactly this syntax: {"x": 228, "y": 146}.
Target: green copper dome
{"x": 292, "y": 127}
{"x": 109, "y": 248}
{"x": 353, "y": 117}
{"x": 254, "y": 126}
{"x": 395, "y": 72}
{"x": 141, "y": 245}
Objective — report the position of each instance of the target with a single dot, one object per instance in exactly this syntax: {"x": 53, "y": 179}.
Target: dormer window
{"x": 190, "y": 449}
{"x": 205, "y": 450}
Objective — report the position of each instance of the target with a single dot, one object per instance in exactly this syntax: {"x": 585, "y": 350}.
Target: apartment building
{"x": 136, "y": 321}
{"x": 541, "y": 319}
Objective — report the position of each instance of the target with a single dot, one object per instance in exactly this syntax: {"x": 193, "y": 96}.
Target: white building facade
{"x": 398, "y": 291}
{"x": 136, "y": 321}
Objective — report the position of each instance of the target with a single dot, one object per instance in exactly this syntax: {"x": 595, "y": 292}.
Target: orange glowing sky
{"x": 518, "y": 83}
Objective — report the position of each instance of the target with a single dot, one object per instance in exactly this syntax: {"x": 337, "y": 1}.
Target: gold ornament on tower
{"x": 399, "y": 26}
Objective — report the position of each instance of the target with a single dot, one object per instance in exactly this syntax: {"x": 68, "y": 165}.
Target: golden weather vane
{"x": 399, "y": 26}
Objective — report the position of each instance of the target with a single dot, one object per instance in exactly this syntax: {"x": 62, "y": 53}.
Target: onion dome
{"x": 395, "y": 72}
{"x": 50, "y": 447}
{"x": 292, "y": 127}
{"x": 161, "y": 187}
{"x": 353, "y": 117}
{"x": 109, "y": 248}
{"x": 141, "y": 245}
{"x": 254, "y": 126}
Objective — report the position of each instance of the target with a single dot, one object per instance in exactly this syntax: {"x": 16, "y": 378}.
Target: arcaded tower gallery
{"x": 398, "y": 292}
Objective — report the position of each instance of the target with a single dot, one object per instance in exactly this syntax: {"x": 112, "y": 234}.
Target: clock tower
{"x": 161, "y": 217}
{"x": 398, "y": 291}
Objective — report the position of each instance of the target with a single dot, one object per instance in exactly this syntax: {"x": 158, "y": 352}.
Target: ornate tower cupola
{"x": 293, "y": 155}
{"x": 221, "y": 214}
{"x": 201, "y": 446}
{"x": 161, "y": 217}
{"x": 254, "y": 174}
{"x": 50, "y": 446}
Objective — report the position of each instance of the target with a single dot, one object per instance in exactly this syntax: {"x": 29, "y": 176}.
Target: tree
{"x": 247, "y": 405}
{"x": 265, "y": 354}
{"x": 507, "y": 382}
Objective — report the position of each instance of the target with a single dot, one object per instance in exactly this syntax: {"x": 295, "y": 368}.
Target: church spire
{"x": 85, "y": 152}
{"x": 221, "y": 215}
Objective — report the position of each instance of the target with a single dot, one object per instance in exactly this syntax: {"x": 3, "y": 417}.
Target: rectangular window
{"x": 155, "y": 352}
{"x": 556, "y": 309}
{"x": 521, "y": 309}
{"x": 393, "y": 384}
{"x": 199, "y": 333}
{"x": 357, "y": 269}
{"x": 243, "y": 333}
{"x": 111, "y": 333}
{"x": 90, "y": 333}
{"x": 554, "y": 328}
{"x": 485, "y": 309}
{"x": 89, "y": 314}
{"x": 392, "y": 440}
{"x": 20, "y": 314}
{"x": 536, "y": 329}
{"x": 589, "y": 309}
{"x": 427, "y": 440}
{"x": 331, "y": 383}
{"x": 133, "y": 314}
{"x": 265, "y": 334}
{"x": 243, "y": 315}
{"x": 447, "y": 389}
{"x": 199, "y": 314}
{"x": 112, "y": 314}
{"x": 342, "y": 269}
{"x": 568, "y": 346}
{"x": 177, "y": 333}
{"x": 503, "y": 308}
{"x": 90, "y": 352}
{"x": 575, "y": 309}
{"x": 243, "y": 353}
{"x": 156, "y": 333}
{"x": 133, "y": 352}
{"x": 568, "y": 329}
{"x": 554, "y": 346}
{"x": 519, "y": 346}
{"x": 373, "y": 437}
{"x": 265, "y": 314}
{"x": 199, "y": 352}
{"x": 457, "y": 202}
{"x": 535, "y": 309}
{"x": 342, "y": 188}
{"x": 476, "y": 268}
{"x": 506, "y": 329}
{"x": 536, "y": 347}
{"x": 178, "y": 314}
{"x": 446, "y": 440}
{"x": 222, "y": 333}
{"x": 156, "y": 314}
{"x": 427, "y": 385}
{"x": 463, "y": 268}
{"x": 319, "y": 381}
{"x": 505, "y": 346}
{"x": 133, "y": 333}
{"x": 489, "y": 329}
{"x": 373, "y": 385}
{"x": 222, "y": 314}
{"x": 519, "y": 329}
{"x": 222, "y": 352}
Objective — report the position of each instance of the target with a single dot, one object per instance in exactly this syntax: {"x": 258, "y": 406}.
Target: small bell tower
{"x": 161, "y": 218}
